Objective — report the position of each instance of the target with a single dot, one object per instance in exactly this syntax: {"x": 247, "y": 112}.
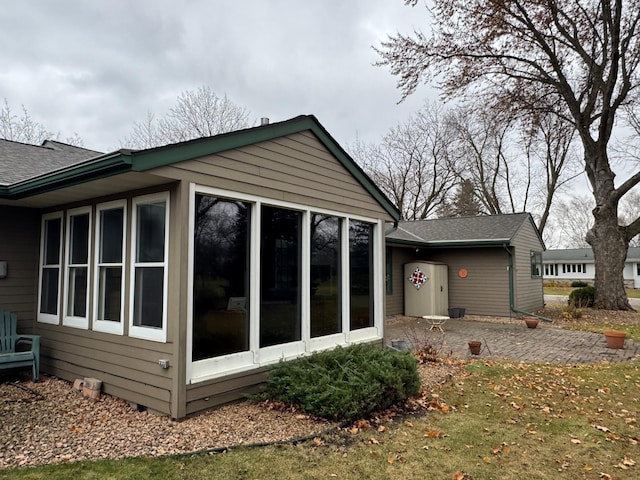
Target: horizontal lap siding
{"x": 529, "y": 295}
{"x": 485, "y": 290}
{"x": 128, "y": 367}
{"x": 201, "y": 396}
{"x": 395, "y": 301}
{"x": 296, "y": 169}
{"x": 19, "y": 246}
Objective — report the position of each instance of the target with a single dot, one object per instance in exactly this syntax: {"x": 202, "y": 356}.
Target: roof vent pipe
{"x": 264, "y": 121}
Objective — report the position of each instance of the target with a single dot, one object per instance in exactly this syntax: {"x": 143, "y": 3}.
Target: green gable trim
{"x": 103, "y": 167}
{"x": 449, "y": 243}
{"x": 143, "y": 160}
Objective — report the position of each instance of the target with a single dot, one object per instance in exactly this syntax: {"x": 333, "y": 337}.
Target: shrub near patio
{"x": 345, "y": 383}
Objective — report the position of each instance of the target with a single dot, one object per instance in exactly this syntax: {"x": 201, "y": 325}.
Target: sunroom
{"x": 178, "y": 274}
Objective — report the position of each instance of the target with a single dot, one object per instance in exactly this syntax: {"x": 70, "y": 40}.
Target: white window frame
{"x": 136, "y": 331}
{"x": 72, "y": 320}
{"x": 207, "y": 369}
{"x": 109, "y": 326}
{"x": 53, "y": 319}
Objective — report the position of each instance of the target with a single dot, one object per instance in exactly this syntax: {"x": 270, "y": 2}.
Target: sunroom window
{"x": 221, "y": 277}
{"x": 149, "y": 270}
{"x": 109, "y": 281}
{"x": 77, "y": 268}
{"x": 50, "y": 264}
{"x": 361, "y": 271}
{"x": 280, "y": 276}
{"x": 325, "y": 304}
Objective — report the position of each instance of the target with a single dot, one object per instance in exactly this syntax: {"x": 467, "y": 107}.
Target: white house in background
{"x": 577, "y": 264}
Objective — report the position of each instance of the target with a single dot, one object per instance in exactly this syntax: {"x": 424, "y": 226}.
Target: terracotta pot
{"x": 615, "y": 339}
{"x": 532, "y": 322}
{"x": 474, "y": 347}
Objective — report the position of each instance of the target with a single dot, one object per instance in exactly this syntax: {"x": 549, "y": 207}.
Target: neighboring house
{"x": 577, "y": 264}
{"x": 177, "y": 274}
{"x": 494, "y": 262}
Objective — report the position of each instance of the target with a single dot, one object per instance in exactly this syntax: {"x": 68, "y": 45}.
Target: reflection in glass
{"x": 147, "y": 302}
{"x": 221, "y": 277}
{"x": 325, "y": 276}
{"x": 361, "y": 274}
{"x": 280, "y": 286}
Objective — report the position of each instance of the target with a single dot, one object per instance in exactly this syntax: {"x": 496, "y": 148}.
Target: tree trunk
{"x": 610, "y": 247}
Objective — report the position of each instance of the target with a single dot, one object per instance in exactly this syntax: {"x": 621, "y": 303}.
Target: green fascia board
{"x": 143, "y": 160}
{"x": 449, "y": 243}
{"x": 169, "y": 154}
{"x": 102, "y": 167}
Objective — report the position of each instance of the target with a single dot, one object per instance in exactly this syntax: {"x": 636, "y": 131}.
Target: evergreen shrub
{"x": 579, "y": 284}
{"x": 582, "y": 297}
{"x": 345, "y": 383}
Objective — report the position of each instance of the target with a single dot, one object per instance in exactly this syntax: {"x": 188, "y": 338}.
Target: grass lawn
{"x": 497, "y": 421}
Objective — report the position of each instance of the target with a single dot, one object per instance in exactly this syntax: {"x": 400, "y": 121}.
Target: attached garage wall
{"x": 485, "y": 290}
{"x": 529, "y": 293}
{"x": 19, "y": 246}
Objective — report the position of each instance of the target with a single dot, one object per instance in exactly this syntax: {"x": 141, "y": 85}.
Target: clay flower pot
{"x": 532, "y": 322}
{"x": 474, "y": 347}
{"x": 615, "y": 339}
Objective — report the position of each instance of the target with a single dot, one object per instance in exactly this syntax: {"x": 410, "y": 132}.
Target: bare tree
{"x": 22, "y": 128}
{"x": 411, "y": 164}
{"x": 515, "y": 165}
{"x": 577, "y": 59}
{"x": 197, "y": 113}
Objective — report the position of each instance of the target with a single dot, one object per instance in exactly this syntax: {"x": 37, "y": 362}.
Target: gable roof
{"x": 21, "y": 161}
{"x": 80, "y": 169}
{"x": 581, "y": 255}
{"x": 487, "y": 230}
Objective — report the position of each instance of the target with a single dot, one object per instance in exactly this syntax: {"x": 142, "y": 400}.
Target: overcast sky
{"x": 95, "y": 67}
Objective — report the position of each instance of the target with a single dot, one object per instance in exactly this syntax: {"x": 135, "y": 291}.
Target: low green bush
{"x": 582, "y": 297}
{"x": 579, "y": 284}
{"x": 345, "y": 383}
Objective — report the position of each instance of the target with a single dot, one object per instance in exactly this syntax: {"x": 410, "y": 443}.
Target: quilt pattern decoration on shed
{"x": 418, "y": 278}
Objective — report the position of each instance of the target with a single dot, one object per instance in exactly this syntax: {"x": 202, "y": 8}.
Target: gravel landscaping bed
{"x": 49, "y": 422}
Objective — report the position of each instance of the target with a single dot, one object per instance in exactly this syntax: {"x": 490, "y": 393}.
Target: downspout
{"x": 511, "y": 296}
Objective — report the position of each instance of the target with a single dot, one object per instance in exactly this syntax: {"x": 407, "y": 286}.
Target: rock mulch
{"x": 49, "y": 422}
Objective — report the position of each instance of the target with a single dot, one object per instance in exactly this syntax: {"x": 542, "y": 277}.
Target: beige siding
{"x": 19, "y": 246}
{"x": 296, "y": 169}
{"x": 528, "y": 292}
{"x": 485, "y": 290}
{"x": 395, "y": 301}
{"x": 128, "y": 367}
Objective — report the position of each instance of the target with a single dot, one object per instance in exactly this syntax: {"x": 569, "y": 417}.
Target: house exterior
{"x": 494, "y": 262}
{"x": 177, "y": 274}
{"x": 577, "y": 264}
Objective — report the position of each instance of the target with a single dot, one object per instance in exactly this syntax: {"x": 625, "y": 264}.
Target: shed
{"x": 177, "y": 274}
{"x": 494, "y": 262}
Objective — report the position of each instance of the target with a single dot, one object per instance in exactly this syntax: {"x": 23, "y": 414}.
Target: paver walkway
{"x": 513, "y": 340}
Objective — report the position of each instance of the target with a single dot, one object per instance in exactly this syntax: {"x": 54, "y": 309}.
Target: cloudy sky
{"x": 95, "y": 67}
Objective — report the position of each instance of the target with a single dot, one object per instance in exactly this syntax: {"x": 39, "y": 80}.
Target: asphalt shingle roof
{"x": 574, "y": 255}
{"x": 21, "y": 161}
{"x": 468, "y": 230}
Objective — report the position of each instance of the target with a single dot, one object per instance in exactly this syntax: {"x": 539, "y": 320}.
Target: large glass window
{"x": 221, "y": 277}
{"x": 325, "y": 276}
{"x": 280, "y": 276}
{"x": 77, "y": 278}
{"x": 361, "y": 271}
{"x": 149, "y": 267}
{"x": 50, "y": 260}
{"x": 110, "y": 267}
